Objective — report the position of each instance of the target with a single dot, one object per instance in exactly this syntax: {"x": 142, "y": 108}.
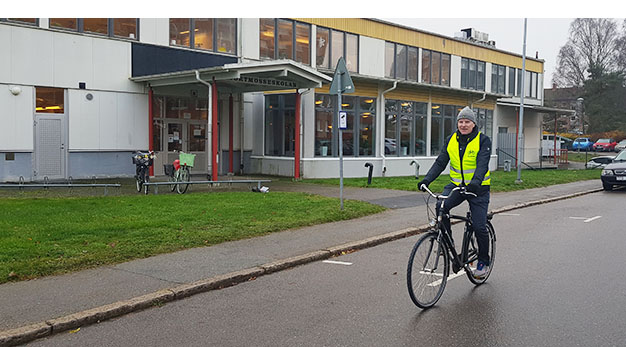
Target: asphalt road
{"x": 557, "y": 281}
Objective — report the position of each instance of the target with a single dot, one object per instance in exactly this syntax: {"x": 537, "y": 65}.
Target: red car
{"x": 605, "y": 145}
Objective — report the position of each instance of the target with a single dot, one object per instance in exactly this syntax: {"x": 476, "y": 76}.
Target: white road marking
{"x": 508, "y": 214}
{"x": 592, "y": 219}
{"x": 453, "y": 276}
{"x": 336, "y": 262}
{"x": 578, "y": 217}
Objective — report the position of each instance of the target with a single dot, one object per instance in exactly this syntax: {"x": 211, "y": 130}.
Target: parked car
{"x": 614, "y": 174}
{"x": 600, "y": 162}
{"x": 621, "y": 145}
{"x": 607, "y": 145}
{"x": 582, "y": 144}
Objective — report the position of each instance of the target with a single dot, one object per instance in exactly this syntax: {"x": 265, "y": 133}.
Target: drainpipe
{"x": 241, "y": 109}
{"x": 479, "y": 100}
{"x": 382, "y": 116}
{"x": 209, "y": 125}
{"x": 299, "y": 132}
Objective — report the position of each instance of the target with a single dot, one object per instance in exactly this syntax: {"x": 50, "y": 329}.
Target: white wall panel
{"x": 111, "y": 64}
{"x": 455, "y": 71}
{"x": 73, "y": 55}
{"x": 141, "y": 122}
{"x": 372, "y": 56}
{"x": 107, "y": 121}
{"x": 488, "y": 68}
{"x": 125, "y": 120}
{"x": 31, "y": 56}
{"x": 5, "y": 54}
{"x": 16, "y": 119}
{"x": 154, "y": 30}
{"x": 250, "y": 38}
{"x": 84, "y": 124}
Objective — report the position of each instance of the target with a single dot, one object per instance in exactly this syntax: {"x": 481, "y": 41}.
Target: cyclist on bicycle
{"x": 468, "y": 151}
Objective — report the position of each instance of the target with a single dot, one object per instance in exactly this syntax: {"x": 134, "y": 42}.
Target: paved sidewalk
{"x": 36, "y": 308}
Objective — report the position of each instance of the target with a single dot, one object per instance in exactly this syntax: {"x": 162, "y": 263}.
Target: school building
{"x": 249, "y": 95}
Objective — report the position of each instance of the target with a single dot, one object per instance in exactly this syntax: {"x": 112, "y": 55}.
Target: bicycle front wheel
{"x": 428, "y": 270}
{"x": 472, "y": 254}
{"x": 183, "y": 177}
{"x": 172, "y": 179}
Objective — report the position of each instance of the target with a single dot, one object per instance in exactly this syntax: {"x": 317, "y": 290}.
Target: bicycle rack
{"x": 21, "y": 185}
{"x": 230, "y": 182}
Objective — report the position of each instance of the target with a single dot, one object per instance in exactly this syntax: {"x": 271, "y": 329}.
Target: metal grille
{"x": 49, "y": 154}
{"x": 506, "y": 144}
{"x": 620, "y": 172}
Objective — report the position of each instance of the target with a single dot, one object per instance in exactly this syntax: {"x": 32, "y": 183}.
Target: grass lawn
{"x": 500, "y": 181}
{"x": 45, "y": 236}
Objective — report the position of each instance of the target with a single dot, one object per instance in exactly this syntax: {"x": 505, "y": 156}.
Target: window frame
{"x": 356, "y": 111}
{"x": 214, "y": 49}
{"x": 472, "y": 77}
{"x": 80, "y": 28}
{"x": 407, "y": 61}
{"x": 293, "y": 40}
{"x": 415, "y": 116}
{"x": 497, "y": 78}
{"x": 331, "y": 56}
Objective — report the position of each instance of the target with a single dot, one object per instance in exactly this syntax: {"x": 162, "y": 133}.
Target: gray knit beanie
{"x": 466, "y": 113}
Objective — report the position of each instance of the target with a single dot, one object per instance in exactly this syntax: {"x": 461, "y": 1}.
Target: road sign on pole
{"x": 341, "y": 84}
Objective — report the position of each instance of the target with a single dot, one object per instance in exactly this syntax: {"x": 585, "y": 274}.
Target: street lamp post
{"x": 579, "y": 107}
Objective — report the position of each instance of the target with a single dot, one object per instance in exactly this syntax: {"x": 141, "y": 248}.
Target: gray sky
{"x": 543, "y": 35}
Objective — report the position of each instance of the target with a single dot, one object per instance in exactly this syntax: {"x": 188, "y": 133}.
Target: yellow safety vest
{"x": 465, "y": 170}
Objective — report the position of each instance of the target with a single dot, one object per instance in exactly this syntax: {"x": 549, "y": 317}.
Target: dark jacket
{"x": 482, "y": 159}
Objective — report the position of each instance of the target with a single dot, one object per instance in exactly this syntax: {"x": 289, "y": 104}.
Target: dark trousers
{"x": 478, "y": 207}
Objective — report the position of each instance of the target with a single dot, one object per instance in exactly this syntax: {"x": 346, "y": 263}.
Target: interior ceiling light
{"x": 369, "y": 101}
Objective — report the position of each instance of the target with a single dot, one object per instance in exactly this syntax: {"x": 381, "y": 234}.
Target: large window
{"x": 498, "y": 76}
{"x": 435, "y": 67}
{"x": 127, "y": 28}
{"x": 401, "y": 61}
{"x": 211, "y": 34}
{"x": 32, "y": 21}
{"x": 405, "y": 128}
{"x": 280, "y": 120}
{"x": 332, "y": 44}
{"x": 472, "y": 74}
{"x": 285, "y": 39}
{"x": 443, "y": 124}
{"x": 485, "y": 121}
{"x": 358, "y": 139}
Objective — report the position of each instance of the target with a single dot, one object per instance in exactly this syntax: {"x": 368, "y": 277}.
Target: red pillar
{"x": 230, "y": 134}
{"x": 150, "y": 127}
{"x": 214, "y": 136}
{"x": 297, "y": 144}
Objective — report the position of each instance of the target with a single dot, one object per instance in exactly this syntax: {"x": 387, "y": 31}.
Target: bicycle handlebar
{"x": 461, "y": 190}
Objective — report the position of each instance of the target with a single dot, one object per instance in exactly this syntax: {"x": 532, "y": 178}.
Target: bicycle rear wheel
{"x": 428, "y": 270}
{"x": 472, "y": 254}
{"x": 183, "y": 177}
{"x": 172, "y": 180}
{"x": 139, "y": 180}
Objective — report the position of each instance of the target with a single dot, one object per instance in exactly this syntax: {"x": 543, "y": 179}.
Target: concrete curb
{"x": 95, "y": 315}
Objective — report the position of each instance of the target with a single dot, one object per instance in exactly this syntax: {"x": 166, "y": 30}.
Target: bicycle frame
{"x": 458, "y": 261}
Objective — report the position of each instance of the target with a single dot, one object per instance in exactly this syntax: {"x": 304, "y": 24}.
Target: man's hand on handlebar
{"x": 423, "y": 184}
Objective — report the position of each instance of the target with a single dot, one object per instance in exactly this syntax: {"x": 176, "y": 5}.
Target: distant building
{"x": 566, "y": 98}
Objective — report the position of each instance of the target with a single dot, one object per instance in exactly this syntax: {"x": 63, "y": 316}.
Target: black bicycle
{"x": 143, "y": 161}
{"x": 429, "y": 263}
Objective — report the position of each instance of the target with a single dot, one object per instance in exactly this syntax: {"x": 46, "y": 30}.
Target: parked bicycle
{"x": 179, "y": 172}
{"x": 143, "y": 161}
{"x": 429, "y": 263}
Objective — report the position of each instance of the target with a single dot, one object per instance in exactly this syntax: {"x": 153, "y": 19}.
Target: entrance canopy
{"x": 244, "y": 77}
{"x": 539, "y": 109}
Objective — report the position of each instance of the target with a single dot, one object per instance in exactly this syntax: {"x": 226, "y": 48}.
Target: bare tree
{"x": 592, "y": 42}
{"x": 621, "y": 48}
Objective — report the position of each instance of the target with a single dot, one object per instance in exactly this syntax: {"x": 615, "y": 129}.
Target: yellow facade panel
{"x": 360, "y": 89}
{"x": 424, "y": 40}
{"x": 407, "y": 94}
